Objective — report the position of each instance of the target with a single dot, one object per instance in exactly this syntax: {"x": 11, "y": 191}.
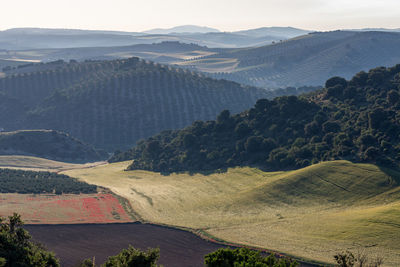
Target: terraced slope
{"x": 305, "y": 60}
{"x": 312, "y": 212}
{"x": 112, "y": 104}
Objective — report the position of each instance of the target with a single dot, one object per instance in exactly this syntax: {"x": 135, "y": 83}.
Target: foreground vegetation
{"x": 356, "y": 120}
{"x": 245, "y": 257}
{"x": 31, "y": 182}
{"x": 16, "y": 248}
{"x": 313, "y": 212}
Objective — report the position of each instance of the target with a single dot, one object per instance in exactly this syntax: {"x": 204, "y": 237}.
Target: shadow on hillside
{"x": 393, "y": 172}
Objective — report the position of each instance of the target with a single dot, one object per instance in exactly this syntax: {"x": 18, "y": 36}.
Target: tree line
{"x": 32, "y": 182}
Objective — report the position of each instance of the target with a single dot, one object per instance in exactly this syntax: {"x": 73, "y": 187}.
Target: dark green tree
{"x": 16, "y": 248}
{"x": 133, "y": 257}
{"x": 243, "y": 257}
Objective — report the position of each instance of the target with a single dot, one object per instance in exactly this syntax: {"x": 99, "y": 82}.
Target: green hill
{"x": 314, "y": 212}
{"x": 356, "y": 120}
{"x": 112, "y": 104}
{"x": 48, "y": 144}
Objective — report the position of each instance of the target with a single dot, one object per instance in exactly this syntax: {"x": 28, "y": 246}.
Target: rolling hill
{"x": 112, "y": 104}
{"x": 48, "y": 144}
{"x": 312, "y": 213}
{"x": 306, "y": 60}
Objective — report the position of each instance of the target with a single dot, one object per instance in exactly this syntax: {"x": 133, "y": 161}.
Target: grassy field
{"x": 40, "y": 164}
{"x": 311, "y": 213}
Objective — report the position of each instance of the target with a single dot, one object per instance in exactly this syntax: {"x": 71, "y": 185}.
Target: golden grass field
{"x": 311, "y": 213}
{"x": 40, "y": 164}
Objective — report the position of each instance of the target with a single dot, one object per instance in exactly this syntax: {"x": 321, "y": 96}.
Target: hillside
{"x": 356, "y": 120}
{"x": 48, "y": 144}
{"x": 112, "y": 104}
{"x": 306, "y": 60}
{"x": 313, "y": 212}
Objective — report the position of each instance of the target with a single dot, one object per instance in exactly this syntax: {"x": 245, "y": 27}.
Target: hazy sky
{"x": 226, "y": 15}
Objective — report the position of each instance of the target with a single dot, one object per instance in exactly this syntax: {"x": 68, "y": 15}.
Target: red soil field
{"x": 64, "y": 209}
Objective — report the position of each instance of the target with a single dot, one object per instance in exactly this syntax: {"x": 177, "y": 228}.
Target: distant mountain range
{"x": 37, "y": 38}
{"x": 182, "y": 29}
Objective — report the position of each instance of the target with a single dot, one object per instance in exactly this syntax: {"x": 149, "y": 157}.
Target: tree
{"x": 16, "y": 248}
{"x": 332, "y": 82}
{"x": 393, "y": 97}
{"x": 226, "y": 257}
{"x": 360, "y": 259}
{"x": 133, "y": 257}
{"x": 345, "y": 259}
{"x": 87, "y": 263}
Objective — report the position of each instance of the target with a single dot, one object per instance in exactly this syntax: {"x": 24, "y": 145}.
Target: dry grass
{"x": 312, "y": 213}
{"x": 40, "y": 164}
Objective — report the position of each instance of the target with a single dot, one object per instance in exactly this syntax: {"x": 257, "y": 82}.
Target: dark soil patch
{"x": 73, "y": 243}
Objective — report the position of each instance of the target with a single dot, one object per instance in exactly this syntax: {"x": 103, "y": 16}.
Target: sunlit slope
{"x": 313, "y": 212}
{"x": 39, "y": 164}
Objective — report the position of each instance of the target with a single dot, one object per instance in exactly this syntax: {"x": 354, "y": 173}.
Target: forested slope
{"x": 357, "y": 120}
{"x": 112, "y": 104}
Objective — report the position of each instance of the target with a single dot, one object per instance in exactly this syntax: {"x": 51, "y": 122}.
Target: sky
{"x": 225, "y": 15}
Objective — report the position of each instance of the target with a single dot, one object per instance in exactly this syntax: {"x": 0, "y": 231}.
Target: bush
{"x": 134, "y": 257}
{"x": 226, "y": 257}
